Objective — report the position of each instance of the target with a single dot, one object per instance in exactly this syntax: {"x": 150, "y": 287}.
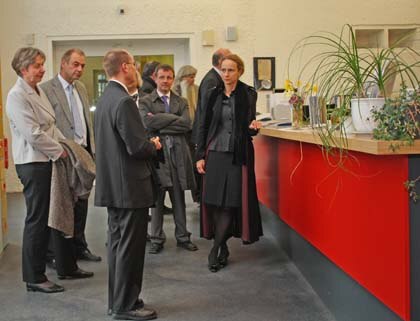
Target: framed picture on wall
{"x": 264, "y": 73}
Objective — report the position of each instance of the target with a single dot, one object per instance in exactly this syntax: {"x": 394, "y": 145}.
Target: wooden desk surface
{"x": 355, "y": 142}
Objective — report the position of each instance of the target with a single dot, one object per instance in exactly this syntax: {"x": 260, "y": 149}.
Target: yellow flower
{"x": 288, "y": 85}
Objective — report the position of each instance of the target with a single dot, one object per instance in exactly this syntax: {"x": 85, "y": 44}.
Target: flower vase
{"x": 297, "y": 116}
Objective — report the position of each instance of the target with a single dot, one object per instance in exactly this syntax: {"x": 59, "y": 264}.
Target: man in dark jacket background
{"x": 148, "y": 76}
{"x": 210, "y": 80}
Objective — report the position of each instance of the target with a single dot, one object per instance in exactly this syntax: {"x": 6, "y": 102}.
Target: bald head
{"x": 218, "y": 55}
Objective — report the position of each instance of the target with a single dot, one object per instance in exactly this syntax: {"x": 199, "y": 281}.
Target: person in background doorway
{"x": 148, "y": 77}
{"x": 225, "y": 156}
{"x": 184, "y": 86}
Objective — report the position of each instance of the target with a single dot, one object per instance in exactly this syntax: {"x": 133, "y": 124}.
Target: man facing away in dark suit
{"x": 210, "y": 80}
{"x": 124, "y": 184}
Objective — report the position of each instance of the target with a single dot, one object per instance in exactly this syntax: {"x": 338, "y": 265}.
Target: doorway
{"x": 174, "y": 50}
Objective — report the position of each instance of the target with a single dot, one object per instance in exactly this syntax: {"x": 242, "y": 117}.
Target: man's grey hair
{"x": 66, "y": 56}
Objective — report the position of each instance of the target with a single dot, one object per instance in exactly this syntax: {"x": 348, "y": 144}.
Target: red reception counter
{"x": 356, "y": 215}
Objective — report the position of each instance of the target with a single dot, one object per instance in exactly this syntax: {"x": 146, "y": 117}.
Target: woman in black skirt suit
{"x": 225, "y": 156}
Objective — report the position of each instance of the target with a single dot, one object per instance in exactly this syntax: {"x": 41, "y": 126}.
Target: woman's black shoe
{"x": 46, "y": 287}
{"x": 223, "y": 256}
{"x": 213, "y": 262}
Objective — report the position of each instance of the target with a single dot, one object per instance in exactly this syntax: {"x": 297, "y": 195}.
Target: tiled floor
{"x": 259, "y": 284}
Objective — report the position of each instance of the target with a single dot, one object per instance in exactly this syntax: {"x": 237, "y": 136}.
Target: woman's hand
{"x": 255, "y": 125}
{"x": 201, "y": 165}
{"x": 156, "y": 141}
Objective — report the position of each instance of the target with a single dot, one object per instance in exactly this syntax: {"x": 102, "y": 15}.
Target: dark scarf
{"x": 241, "y": 121}
{"x": 242, "y": 109}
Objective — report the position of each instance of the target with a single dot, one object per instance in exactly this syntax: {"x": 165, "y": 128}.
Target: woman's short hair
{"x": 239, "y": 62}
{"x": 25, "y": 57}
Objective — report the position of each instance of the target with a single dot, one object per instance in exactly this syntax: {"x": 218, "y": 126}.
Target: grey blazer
{"x": 32, "y": 124}
{"x": 58, "y": 99}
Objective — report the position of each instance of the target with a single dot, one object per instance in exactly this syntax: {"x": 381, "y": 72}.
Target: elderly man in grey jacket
{"x": 166, "y": 114}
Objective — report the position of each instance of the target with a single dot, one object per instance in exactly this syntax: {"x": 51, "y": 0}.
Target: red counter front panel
{"x": 356, "y": 214}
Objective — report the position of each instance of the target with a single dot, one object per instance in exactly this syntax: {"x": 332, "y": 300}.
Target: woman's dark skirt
{"x": 222, "y": 181}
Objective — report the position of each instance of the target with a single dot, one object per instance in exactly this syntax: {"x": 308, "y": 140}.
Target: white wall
{"x": 265, "y": 27}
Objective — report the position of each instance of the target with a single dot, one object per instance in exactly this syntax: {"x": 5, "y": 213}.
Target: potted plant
{"x": 398, "y": 121}
{"x": 349, "y": 75}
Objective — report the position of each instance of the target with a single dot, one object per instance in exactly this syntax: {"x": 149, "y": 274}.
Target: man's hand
{"x": 156, "y": 141}
{"x": 201, "y": 165}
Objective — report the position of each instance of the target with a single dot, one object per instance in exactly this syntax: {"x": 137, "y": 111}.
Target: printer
{"x": 279, "y": 107}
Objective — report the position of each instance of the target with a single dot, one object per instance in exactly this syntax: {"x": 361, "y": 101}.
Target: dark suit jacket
{"x": 58, "y": 99}
{"x": 123, "y": 173}
{"x": 211, "y": 80}
{"x": 148, "y": 85}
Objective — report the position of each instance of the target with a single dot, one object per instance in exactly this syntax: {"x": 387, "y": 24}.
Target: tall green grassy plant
{"x": 337, "y": 67}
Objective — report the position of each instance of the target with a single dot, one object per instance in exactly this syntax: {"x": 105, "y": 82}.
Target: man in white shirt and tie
{"x": 69, "y": 98}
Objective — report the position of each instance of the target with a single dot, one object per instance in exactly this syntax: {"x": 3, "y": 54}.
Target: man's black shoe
{"x": 45, "y": 287}
{"x": 190, "y": 246}
{"x": 138, "y": 305}
{"x": 155, "y": 248}
{"x": 138, "y": 315}
{"x": 167, "y": 210}
{"x": 78, "y": 274}
{"x": 86, "y": 255}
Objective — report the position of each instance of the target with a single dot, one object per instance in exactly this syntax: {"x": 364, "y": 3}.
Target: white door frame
{"x": 51, "y": 40}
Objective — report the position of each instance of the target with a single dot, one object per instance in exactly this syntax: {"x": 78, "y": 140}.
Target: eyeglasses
{"x": 135, "y": 64}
